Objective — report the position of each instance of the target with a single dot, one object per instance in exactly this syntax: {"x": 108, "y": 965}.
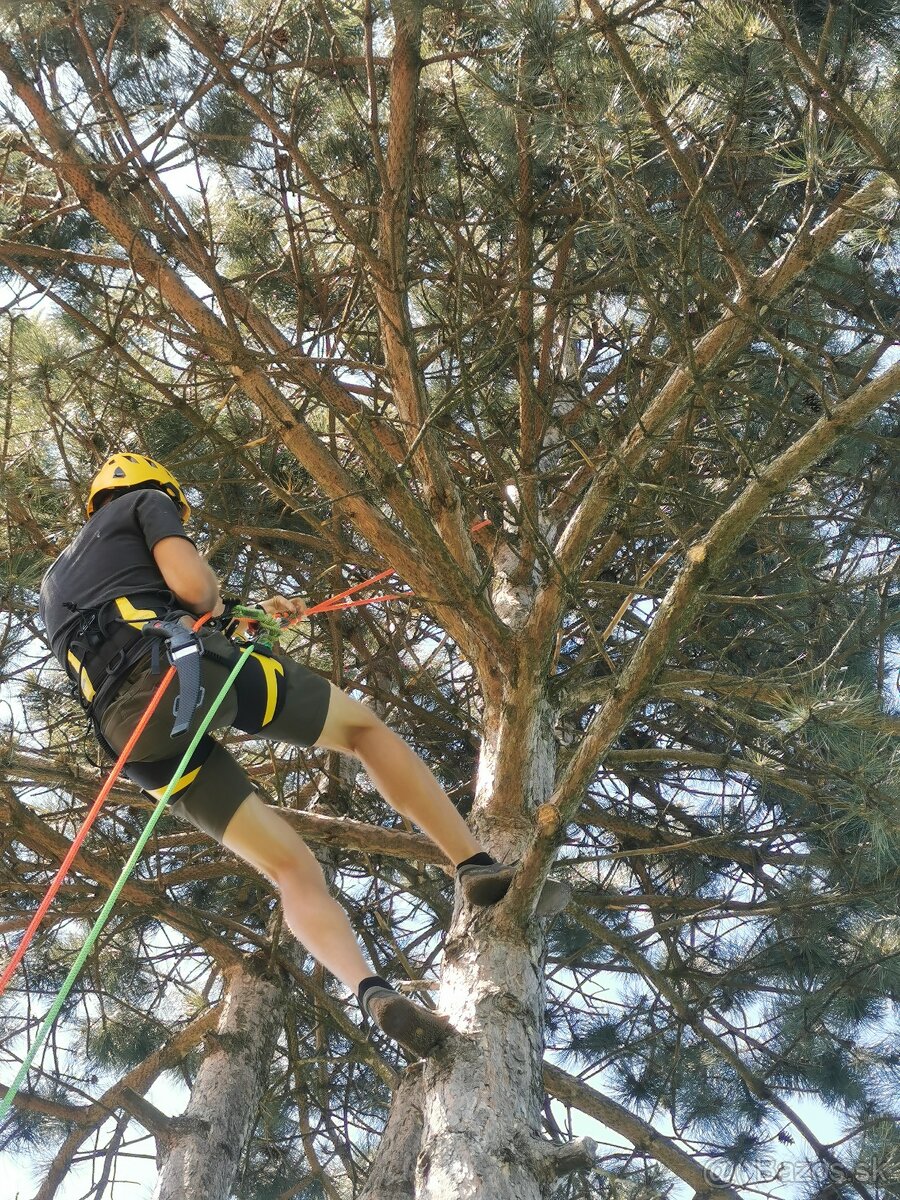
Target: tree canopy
{"x": 581, "y": 317}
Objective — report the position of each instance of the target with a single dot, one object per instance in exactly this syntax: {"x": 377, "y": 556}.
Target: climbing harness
{"x": 269, "y": 630}
{"x": 114, "y": 637}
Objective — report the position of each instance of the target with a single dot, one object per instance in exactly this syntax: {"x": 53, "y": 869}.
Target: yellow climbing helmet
{"x": 131, "y": 470}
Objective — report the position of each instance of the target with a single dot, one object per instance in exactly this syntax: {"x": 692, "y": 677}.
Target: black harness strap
{"x": 113, "y": 638}
{"x": 100, "y": 654}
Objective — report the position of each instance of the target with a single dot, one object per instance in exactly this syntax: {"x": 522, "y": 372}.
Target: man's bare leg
{"x": 409, "y": 787}
{"x": 265, "y": 840}
{"x": 399, "y": 774}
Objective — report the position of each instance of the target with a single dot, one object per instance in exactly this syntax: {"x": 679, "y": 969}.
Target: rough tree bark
{"x": 203, "y": 1161}
{"x": 482, "y": 1097}
{"x": 477, "y": 1101}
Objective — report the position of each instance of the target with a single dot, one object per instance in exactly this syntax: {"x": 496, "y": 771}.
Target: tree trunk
{"x": 481, "y": 1094}
{"x": 482, "y": 1099}
{"x": 203, "y": 1162}
{"x": 393, "y": 1172}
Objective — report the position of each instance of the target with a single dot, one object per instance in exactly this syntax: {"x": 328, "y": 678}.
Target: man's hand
{"x": 281, "y": 606}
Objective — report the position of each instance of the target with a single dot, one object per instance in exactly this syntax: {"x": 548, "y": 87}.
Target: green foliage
{"x": 736, "y": 852}
{"x": 224, "y": 127}
{"x": 31, "y": 1130}
{"x": 272, "y": 1183}
{"x": 125, "y": 1039}
{"x": 727, "y": 59}
{"x": 601, "y": 1037}
{"x": 859, "y": 18}
{"x": 648, "y": 1184}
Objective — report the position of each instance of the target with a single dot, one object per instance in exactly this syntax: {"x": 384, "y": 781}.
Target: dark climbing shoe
{"x": 417, "y": 1029}
{"x": 486, "y": 885}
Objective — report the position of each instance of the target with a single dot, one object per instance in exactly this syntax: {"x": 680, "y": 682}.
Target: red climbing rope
{"x": 89, "y": 821}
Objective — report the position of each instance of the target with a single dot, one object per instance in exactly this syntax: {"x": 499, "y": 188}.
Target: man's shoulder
{"x": 137, "y": 504}
{"x": 151, "y": 497}
{"x": 158, "y": 517}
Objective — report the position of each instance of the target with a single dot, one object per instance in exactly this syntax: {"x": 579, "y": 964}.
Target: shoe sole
{"x": 416, "y": 1029}
{"x": 486, "y": 885}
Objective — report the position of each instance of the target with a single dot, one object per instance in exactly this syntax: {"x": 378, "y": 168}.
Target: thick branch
{"x": 371, "y": 839}
{"x": 13, "y": 250}
{"x": 706, "y": 1184}
{"x": 704, "y": 560}
{"x": 315, "y": 827}
{"x": 568, "y": 1158}
{"x": 391, "y": 286}
{"x": 202, "y": 1158}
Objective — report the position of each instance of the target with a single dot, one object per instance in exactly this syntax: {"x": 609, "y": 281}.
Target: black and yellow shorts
{"x": 272, "y": 696}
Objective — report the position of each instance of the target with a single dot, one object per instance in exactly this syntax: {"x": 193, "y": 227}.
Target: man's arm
{"x": 188, "y": 575}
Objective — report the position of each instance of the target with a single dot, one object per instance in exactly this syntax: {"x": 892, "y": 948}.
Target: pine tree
{"x": 582, "y": 318}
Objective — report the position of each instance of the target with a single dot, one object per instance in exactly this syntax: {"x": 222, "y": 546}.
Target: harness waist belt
{"x": 114, "y": 638}
{"x": 100, "y": 670}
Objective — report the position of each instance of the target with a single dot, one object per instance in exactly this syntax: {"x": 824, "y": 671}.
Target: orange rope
{"x": 320, "y": 608}
{"x": 332, "y": 601}
{"x": 89, "y": 821}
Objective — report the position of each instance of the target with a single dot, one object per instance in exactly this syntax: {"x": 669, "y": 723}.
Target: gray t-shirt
{"x": 110, "y": 556}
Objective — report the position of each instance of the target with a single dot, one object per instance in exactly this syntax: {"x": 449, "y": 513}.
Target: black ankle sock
{"x": 477, "y": 860}
{"x": 369, "y": 982}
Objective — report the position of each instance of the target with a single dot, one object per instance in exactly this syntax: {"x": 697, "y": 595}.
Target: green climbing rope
{"x": 47, "y": 1023}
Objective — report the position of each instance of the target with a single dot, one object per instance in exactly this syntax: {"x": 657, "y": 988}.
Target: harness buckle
{"x": 184, "y": 649}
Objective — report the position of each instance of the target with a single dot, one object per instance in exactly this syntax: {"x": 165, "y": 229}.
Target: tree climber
{"x": 133, "y": 570}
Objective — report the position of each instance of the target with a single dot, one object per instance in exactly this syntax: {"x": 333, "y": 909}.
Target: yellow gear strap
{"x": 179, "y": 786}
{"x": 135, "y": 617}
{"x": 271, "y": 668}
{"x": 87, "y": 688}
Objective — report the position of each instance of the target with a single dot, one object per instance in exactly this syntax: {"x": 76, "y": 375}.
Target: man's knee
{"x": 361, "y": 732}
{"x": 348, "y": 724}
{"x": 265, "y": 839}
{"x": 302, "y": 871}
